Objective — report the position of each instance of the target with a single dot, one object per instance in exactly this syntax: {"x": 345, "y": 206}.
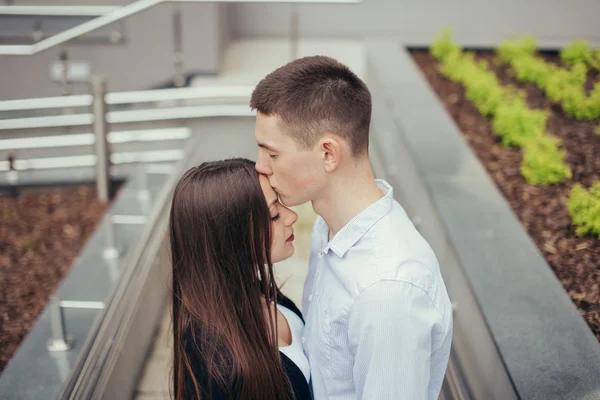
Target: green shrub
{"x": 517, "y": 124}
{"x": 584, "y": 209}
{"x": 512, "y": 120}
{"x": 543, "y": 162}
{"x": 562, "y": 85}
{"x": 517, "y": 48}
{"x": 579, "y": 51}
{"x": 443, "y": 46}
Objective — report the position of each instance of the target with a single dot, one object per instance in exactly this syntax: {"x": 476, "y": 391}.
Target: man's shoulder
{"x": 401, "y": 251}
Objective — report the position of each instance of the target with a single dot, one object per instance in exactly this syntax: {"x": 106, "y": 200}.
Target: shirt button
{"x": 321, "y": 254}
{"x": 303, "y": 339}
{"x": 310, "y": 297}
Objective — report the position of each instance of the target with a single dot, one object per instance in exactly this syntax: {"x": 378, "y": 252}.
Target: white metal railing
{"x": 124, "y": 12}
{"x": 62, "y": 11}
{"x": 120, "y": 98}
{"x": 99, "y": 118}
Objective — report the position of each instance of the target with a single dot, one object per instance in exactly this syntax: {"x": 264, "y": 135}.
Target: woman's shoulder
{"x": 282, "y": 300}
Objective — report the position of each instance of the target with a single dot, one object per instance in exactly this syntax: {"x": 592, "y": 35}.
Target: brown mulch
{"x": 41, "y": 234}
{"x": 542, "y": 210}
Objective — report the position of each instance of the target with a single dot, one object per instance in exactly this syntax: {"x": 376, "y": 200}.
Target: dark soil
{"x": 41, "y": 234}
{"x": 542, "y": 210}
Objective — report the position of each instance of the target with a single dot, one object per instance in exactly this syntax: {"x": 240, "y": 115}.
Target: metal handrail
{"x": 126, "y": 11}
{"x": 129, "y": 116}
{"x": 96, "y": 354}
{"x": 63, "y": 11}
{"x": 138, "y": 96}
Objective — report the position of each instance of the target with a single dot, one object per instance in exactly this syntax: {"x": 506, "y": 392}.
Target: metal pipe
{"x": 100, "y": 128}
{"x": 192, "y": 93}
{"x": 294, "y": 32}
{"x": 47, "y": 122}
{"x": 60, "y": 340}
{"x": 122, "y": 117}
{"x": 62, "y": 11}
{"x": 82, "y": 304}
{"x": 64, "y": 61}
{"x": 111, "y": 251}
{"x": 139, "y": 96}
{"x": 179, "y": 79}
{"x": 83, "y": 100}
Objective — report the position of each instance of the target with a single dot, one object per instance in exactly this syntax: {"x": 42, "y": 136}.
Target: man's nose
{"x": 262, "y": 167}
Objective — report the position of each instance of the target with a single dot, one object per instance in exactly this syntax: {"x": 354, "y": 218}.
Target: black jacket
{"x": 295, "y": 375}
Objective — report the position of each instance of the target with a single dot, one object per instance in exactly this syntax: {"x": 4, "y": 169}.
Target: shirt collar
{"x": 354, "y": 230}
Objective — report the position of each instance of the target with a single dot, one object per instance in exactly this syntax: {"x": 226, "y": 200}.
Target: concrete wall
{"x": 415, "y": 22}
{"x": 143, "y": 61}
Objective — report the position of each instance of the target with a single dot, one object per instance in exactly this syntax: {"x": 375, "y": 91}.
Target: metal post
{"x": 143, "y": 193}
{"x": 111, "y": 251}
{"x": 12, "y": 176}
{"x": 60, "y": 340}
{"x": 294, "y": 31}
{"x": 38, "y": 33}
{"x": 179, "y": 79}
{"x": 64, "y": 60}
{"x": 100, "y": 128}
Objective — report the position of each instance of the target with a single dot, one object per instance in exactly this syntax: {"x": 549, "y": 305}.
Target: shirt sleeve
{"x": 390, "y": 328}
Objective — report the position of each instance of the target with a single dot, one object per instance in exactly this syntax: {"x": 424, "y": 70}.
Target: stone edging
{"x": 545, "y": 348}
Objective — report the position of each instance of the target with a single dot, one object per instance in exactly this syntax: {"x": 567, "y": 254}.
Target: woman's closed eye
{"x": 275, "y": 218}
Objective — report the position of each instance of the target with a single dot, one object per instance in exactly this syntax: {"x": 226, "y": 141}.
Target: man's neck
{"x": 352, "y": 191}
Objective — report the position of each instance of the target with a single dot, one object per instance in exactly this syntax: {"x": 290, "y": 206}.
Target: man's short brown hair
{"x": 314, "y": 95}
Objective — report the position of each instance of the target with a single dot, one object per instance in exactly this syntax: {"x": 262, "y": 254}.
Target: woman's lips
{"x": 291, "y": 238}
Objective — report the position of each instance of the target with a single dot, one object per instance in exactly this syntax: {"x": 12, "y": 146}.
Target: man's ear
{"x": 332, "y": 147}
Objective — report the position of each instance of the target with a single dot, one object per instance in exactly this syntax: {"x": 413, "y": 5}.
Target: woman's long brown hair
{"x": 222, "y": 273}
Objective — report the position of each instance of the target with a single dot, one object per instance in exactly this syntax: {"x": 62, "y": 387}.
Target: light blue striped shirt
{"x": 378, "y": 317}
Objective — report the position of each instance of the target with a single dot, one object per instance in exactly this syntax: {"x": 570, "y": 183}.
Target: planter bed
{"x": 541, "y": 209}
{"x": 41, "y": 234}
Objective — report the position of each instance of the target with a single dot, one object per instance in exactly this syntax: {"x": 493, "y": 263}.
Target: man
{"x": 378, "y": 317}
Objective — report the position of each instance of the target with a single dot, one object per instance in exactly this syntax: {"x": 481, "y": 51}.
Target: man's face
{"x": 298, "y": 176}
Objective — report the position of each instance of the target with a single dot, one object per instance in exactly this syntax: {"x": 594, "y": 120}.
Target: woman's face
{"x": 282, "y": 219}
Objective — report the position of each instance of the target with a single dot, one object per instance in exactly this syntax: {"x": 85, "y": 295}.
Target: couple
{"x": 376, "y": 321}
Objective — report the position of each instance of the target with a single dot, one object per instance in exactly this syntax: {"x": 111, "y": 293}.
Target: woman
{"x": 235, "y": 335}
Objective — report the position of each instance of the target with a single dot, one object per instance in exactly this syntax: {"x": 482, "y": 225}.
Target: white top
{"x": 295, "y": 351}
{"x": 378, "y": 317}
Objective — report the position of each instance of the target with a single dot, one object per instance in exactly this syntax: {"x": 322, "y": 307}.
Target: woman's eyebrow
{"x": 272, "y": 202}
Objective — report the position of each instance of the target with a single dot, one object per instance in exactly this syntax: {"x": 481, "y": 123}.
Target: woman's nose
{"x": 291, "y": 217}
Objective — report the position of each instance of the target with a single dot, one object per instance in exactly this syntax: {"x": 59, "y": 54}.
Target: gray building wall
{"x": 143, "y": 61}
{"x": 146, "y": 58}
{"x": 415, "y": 22}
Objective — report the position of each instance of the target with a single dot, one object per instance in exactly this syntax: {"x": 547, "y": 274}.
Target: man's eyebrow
{"x": 266, "y": 146}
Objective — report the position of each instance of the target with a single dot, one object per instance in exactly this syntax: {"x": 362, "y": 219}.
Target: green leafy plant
{"x": 443, "y": 46}
{"x": 543, "y": 162}
{"x": 512, "y": 120}
{"x": 580, "y": 52}
{"x": 516, "y": 48}
{"x": 562, "y": 85}
{"x": 584, "y": 209}
{"x": 516, "y": 124}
